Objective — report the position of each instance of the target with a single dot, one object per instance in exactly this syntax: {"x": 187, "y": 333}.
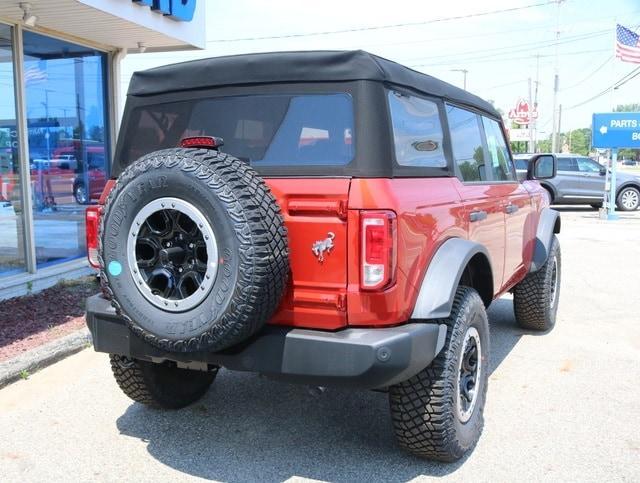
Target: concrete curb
{"x": 43, "y": 356}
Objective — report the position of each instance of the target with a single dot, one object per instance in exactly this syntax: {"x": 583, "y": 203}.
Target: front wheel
{"x": 163, "y": 385}
{"x": 628, "y": 199}
{"x": 535, "y": 299}
{"x": 438, "y": 413}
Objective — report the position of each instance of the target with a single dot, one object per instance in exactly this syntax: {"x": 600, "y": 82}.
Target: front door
{"x": 516, "y": 202}
{"x": 592, "y": 179}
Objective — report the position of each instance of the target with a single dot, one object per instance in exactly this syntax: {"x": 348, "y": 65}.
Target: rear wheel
{"x": 80, "y": 194}
{"x": 160, "y": 385}
{"x": 628, "y": 199}
{"x": 438, "y": 413}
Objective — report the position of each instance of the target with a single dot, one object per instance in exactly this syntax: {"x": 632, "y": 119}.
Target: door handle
{"x": 510, "y": 208}
{"x": 477, "y": 215}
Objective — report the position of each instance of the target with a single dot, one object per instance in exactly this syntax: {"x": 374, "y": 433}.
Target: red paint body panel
{"x": 428, "y": 212}
{"x": 312, "y": 209}
{"x": 327, "y": 295}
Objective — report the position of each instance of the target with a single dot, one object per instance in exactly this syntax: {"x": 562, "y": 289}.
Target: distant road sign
{"x": 616, "y": 130}
{"x": 519, "y": 135}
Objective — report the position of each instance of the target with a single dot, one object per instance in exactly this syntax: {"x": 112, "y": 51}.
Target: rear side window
{"x": 417, "y": 132}
{"x": 521, "y": 163}
{"x": 501, "y": 167}
{"x": 466, "y": 142}
{"x": 567, "y": 164}
{"x": 264, "y": 130}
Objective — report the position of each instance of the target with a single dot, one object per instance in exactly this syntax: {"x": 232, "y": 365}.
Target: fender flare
{"x": 435, "y": 298}
{"x": 548, "y": 225}
{"x": 550, "y": 187}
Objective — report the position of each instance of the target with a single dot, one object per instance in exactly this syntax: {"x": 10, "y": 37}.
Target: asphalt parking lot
{"x": 561, "y": 406}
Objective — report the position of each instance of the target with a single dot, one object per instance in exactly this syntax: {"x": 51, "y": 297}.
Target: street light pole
{"x": 556, "y": 81}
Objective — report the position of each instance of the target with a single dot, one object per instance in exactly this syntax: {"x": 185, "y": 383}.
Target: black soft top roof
{"x": 309, "y": 66}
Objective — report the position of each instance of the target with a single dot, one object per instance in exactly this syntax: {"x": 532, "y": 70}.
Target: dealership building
{"x": 59, "y": 104}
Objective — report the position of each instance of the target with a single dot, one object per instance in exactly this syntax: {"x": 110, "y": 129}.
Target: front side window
{"x": 466, "y": 141}
{"x": 417, "y": 132}
{"x": 498, "y": 151}
{"x": 586, "y": 165}
{"x": 264, "y": 130}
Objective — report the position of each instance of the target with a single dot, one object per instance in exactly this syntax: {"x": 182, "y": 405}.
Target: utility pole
{"x": 560, "y": 126}
{"x": 556, "y": 81}
{"x": 535, "y": 105}
{"x": 464, "y": 73}
{"x": 530, "y": 148}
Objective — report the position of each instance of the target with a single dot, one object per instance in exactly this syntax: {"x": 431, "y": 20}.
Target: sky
{"x": 501, "y": 51}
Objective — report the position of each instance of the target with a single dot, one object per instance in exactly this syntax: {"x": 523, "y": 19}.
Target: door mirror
{"x": 542, "y": 166}
{"x": 603, "y": 171}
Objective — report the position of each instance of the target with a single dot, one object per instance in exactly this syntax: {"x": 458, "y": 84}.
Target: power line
{"x": 505, "y": 59}
{"x": 620, "y": 82}
{"x": 389, "y": 26}
{"x": 598, "y": 69}
{"x": 523, "y": 47}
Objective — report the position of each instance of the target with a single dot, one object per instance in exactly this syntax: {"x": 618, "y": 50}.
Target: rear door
{"x": 481, "y": 198}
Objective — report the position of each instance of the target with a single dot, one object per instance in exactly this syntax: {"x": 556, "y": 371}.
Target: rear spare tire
{"x": 193, "y": 250}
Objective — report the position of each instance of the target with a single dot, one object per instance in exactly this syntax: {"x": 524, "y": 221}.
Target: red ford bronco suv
{"x": 327, "y": 218}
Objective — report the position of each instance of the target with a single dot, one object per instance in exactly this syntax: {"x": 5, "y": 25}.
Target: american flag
{"x": 627, "y": 45}
{"x": 34, "y": 74}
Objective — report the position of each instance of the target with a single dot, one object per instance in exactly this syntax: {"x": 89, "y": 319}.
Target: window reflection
{"x": 11, "y": 226}
{"x": 66, "y": 117}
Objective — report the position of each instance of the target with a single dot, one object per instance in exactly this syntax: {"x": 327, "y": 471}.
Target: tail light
{"x": 206, "y": 142}
{"x": 92, "y": 222}
{"x": 379, "y": 249}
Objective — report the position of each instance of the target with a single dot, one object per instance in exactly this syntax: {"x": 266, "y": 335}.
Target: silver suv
{"x": 580, "y": 181}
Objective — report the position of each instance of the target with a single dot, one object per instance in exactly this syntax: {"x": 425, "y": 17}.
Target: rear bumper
{"x": 365, "y": 358}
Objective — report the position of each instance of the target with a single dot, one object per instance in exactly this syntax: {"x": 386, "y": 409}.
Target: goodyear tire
{"x": 194, "y": 251}
{"x": 438, "y": 413}
{"x": 161, "y": 386}
{"x": 535, "y": 299}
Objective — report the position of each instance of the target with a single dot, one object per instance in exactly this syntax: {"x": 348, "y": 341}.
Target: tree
{"x": 578, "y": 140}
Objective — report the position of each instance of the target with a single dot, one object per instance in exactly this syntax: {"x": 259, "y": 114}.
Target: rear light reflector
{"x": 379, "y": 249}
{"x": 92, "y": 223}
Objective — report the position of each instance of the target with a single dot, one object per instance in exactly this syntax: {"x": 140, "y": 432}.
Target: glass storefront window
{"x": 12, "y": 259}
{"x": 66, "y": 107}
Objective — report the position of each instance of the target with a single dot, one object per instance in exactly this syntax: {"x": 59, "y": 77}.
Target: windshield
{"x": 264, "y": 130}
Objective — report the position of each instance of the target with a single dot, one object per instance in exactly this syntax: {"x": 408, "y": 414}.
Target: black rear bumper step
{"x": 366, "y": 358}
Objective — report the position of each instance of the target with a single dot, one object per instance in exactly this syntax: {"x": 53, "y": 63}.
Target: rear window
{"x": 264, "y": 130}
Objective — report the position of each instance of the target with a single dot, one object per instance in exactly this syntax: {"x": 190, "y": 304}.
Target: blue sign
{"x": 616, "y": 130}
{"x": 181, "y": 10}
